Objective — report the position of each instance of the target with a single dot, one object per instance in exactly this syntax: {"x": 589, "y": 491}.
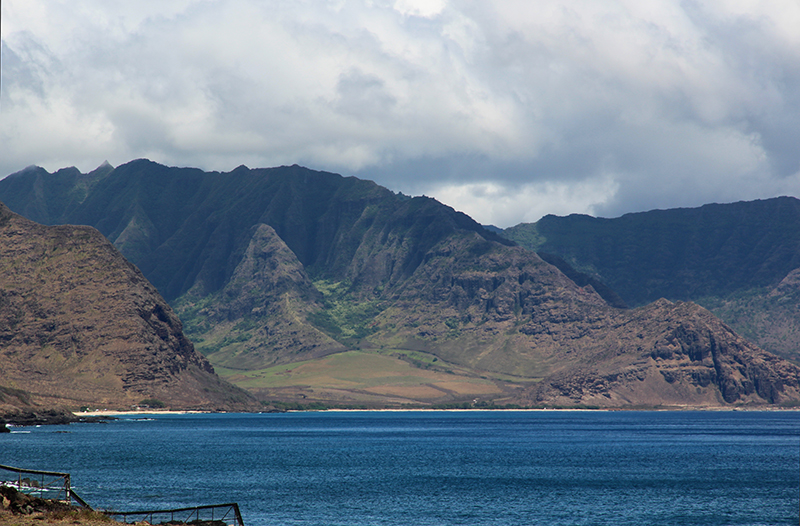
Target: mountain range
{"x": 304, "y": 286}
{"x": 739, "y": 260}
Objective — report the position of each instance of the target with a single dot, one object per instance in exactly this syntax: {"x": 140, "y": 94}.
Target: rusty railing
{"x": 44, "y": 484}
{"x": 56, "y": 486}
{"x": 218, "y": 514}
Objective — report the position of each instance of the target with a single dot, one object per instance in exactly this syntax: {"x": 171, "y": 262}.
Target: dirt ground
{"x": 20, "y": 509}
{"x": 85, "y": 518}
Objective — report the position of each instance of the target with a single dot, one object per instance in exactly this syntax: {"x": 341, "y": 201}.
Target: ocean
{"x": 436, "y": 468}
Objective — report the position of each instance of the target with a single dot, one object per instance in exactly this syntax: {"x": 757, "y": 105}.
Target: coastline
{"x": 144, "y": 412}
{"x": 115, "y": 412}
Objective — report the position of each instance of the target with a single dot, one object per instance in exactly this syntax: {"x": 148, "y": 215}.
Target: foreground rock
{"x": 20, "y": 503}
{"x": 79, "y": 325}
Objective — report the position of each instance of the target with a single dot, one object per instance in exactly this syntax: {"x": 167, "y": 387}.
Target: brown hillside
{"x": 79, "y": 325}
{"x": 670, "y": 354}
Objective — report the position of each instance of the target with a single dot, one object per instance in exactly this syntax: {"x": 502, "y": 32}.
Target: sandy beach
{"x": 113, "y": 412}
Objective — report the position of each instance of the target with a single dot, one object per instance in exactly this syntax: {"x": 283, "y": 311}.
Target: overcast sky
{"x": 506, "y": 110}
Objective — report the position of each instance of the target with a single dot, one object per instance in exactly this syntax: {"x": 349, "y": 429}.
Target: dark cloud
{"x": 506, "y": 110}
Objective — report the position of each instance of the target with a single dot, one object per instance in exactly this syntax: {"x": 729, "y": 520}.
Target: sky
{"x": 506, "y": 110}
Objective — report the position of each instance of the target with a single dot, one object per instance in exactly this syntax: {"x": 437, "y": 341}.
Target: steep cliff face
{"x": 679, "y": 254}
{"x": 161, "y": 215}
{"x": 80, "y": 325}
{"x": 47, "y": 198}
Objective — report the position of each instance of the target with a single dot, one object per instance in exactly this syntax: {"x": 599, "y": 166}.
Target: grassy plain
{"x": 374, "y": 378}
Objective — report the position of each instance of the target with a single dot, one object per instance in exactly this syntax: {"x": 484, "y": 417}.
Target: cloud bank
{"x": 505, "y": 110}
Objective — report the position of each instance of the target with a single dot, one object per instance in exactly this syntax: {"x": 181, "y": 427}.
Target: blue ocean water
{"x": 436, "y": 468}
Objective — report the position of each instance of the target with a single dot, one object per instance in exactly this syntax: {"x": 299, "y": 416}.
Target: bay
{"x": 436, "y": 468}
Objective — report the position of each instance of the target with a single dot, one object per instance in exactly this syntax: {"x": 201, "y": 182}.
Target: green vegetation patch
{"x": 526, "y": 235}
{"x": 208, "y": 337}
{"x": 344, "y": 318}
{"x": 195, "y": 323}
{"x": 152, "y": 403}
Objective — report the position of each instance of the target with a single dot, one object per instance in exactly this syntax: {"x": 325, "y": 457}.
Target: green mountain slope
{"x": 730, "y": 258}
{"x": 304, "y": 285}
{"x": 48, "y": 198}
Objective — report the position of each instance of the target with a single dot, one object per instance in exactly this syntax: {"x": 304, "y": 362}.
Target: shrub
{"x": 152, "y": 403}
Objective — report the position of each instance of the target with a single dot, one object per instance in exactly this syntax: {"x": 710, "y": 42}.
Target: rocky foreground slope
{"x": 79, "y": 325}
{"x": 304, "y": 285}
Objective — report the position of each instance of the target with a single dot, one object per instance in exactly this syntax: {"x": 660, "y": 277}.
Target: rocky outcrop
{"x": 21, "y": 503}
{"x": 41, "y": 417}
{"x": 670, "y": 354}
{"x": 80, "y": 325}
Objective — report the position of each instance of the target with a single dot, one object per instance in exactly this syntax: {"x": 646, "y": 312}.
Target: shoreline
{"x": 135, "y": 412}
{"x": 120, "y": 412}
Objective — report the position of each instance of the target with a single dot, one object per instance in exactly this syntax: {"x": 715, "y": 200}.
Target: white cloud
{"x": 423, "y": 8}
{"x": 501, "y": 205}
{"x": 675, "y": 103}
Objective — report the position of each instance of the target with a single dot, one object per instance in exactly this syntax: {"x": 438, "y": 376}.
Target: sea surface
{"x": 436, "y": 468}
